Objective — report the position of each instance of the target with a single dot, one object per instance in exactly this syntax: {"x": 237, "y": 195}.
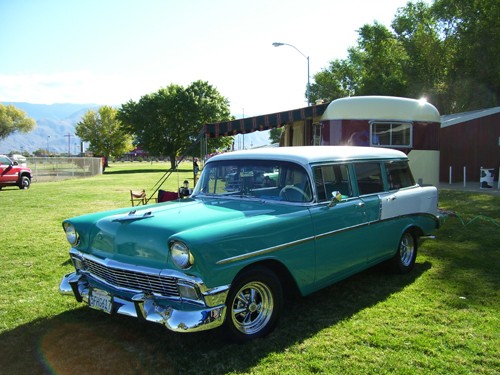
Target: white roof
{"x": 313, "y": 154}
{"x": 458, "y": 118}
{"x": 384, "y": 108}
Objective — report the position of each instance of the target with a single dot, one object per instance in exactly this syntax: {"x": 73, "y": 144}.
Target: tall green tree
{"x": 13, "y": 119}
{"x": 342, "y": 78}
{"x": 382, "y": 58}
{"x": 472, "y": 31}
{"x": 105, "y": 132}
{"x": 169, "y": 121}
{"x": 416, "y": 27}
{"x": 448, "y": 52}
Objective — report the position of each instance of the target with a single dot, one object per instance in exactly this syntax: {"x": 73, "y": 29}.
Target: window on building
{"x": 391, "y": 134}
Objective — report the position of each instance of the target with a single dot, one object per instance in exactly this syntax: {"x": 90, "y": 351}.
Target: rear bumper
{"x": 189, "y": 318}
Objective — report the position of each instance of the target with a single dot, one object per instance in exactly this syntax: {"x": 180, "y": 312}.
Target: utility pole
{"x": 69, "y": 144}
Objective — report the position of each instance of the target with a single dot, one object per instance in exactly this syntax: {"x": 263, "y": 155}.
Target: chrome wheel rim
{"x": 252, "y": 307}
{"x": 407, "y": 249}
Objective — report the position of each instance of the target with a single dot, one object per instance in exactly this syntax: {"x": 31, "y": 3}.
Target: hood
{"x": 144, "y": 233}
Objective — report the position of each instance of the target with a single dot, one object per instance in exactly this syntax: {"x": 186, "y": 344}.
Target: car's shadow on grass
{"x": 85, "y": 341}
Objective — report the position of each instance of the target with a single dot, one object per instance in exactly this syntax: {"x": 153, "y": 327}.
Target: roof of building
{"x": 458, "y": 118}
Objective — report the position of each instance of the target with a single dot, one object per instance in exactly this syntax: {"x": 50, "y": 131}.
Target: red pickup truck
{"x": 13, "y": 174}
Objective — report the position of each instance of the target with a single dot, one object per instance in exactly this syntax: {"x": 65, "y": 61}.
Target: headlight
{"x": 71, "y": 234}
{"x": 181, "y": 255}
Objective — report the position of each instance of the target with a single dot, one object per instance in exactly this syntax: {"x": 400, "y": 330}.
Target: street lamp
{"x": 48, "y": 137}
{"x": 276, "y": 44}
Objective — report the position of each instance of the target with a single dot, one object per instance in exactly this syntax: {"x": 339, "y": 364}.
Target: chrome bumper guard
{"x": 145, "y": 306}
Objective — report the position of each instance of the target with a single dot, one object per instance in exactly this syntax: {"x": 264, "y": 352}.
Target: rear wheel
{"x": 404, "y": 259}
{"x": 254, "y": 304}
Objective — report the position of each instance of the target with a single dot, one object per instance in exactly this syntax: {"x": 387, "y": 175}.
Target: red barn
{"x": 470, "y": 140}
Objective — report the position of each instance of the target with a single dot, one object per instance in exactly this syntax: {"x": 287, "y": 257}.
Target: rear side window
{"x": 369, "y": 178}
{"x": 330, "y": 178}
{"x": 399, "y": 175}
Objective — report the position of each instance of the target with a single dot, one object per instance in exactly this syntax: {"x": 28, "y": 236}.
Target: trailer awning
{"x": 263, "y": 122}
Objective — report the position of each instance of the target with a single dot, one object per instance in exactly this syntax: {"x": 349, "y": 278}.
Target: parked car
{"x": 226, "y": 256}
{"x": 14, "y": 174}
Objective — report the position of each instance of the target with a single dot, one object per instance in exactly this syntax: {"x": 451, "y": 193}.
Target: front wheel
{"x": 254, "y": 303}
{"x": 404, "y": 259}
{"x": 24, "y": 182}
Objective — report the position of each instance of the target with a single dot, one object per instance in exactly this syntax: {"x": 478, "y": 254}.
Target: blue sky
{"x": 109, "y": 52}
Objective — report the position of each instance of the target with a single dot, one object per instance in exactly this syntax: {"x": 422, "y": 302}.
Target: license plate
{"x": 101, "y": 300}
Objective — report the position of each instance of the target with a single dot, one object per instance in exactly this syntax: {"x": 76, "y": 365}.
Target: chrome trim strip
{"x": 331, "y": 233}
{"x": 319, "y": 236}
{"x": 264, "y": 251}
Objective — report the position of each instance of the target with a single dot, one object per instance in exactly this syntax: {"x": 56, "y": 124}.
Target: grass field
{"x": 444, "y": 318}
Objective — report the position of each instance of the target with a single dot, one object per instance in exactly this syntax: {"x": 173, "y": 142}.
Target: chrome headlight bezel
{"x": 71, "y": 234}
{"x": 181, "y": 255}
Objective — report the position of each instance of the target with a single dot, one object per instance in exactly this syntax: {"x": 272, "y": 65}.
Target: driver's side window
{"x": 330, "y": 178}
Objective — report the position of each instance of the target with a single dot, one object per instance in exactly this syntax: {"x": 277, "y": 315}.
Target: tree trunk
{"x": 173, "y": 161}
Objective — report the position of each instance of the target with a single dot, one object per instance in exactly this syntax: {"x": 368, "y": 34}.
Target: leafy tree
{"x": 13, "y": 119}
{"x": 382, "y": 58}
{"x": 104, "y": 132}
{"x": 275, "y": 134}
{"x": 448, "y": 51}
{"x": 168, "y": 122}
{"x": 340, "y": 79}
{"x": 472, "y": 31}
{"x": 417, "y": 28}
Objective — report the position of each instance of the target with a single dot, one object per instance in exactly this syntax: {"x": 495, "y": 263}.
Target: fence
{"x": 58, "y": 168}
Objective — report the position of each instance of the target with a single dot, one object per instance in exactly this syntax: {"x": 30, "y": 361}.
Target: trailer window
{"x": 391, "y": 134}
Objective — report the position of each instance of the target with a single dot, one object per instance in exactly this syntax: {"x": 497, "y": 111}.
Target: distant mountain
{"x": 54, "y": 123}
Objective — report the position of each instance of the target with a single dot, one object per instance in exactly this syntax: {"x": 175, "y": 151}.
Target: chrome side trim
{"x": 264, "y": 251}
{"x": 304, "y": 240}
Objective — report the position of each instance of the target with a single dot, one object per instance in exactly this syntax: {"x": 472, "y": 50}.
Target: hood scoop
{"x": 133, "y": 216}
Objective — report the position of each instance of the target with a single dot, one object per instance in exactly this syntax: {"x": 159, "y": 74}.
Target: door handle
{"x": 360, "y": 205}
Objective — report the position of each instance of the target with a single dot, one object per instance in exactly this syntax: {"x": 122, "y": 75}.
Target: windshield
{"x": 262, "y": 179}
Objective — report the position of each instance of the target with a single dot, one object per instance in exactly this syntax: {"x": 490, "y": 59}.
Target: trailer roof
{"x": 385, "y": 108}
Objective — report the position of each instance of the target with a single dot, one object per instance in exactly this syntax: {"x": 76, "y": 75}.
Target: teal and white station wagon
{"x": 259, "y": 223}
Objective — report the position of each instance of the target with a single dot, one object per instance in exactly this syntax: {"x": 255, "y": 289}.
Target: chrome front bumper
{"x": 148, "y": 307}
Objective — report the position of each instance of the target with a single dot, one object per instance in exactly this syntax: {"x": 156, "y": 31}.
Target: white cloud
{"x": 74, "y": 87}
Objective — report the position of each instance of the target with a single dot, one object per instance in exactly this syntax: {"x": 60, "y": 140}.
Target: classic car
{"x": 228, "y": 256}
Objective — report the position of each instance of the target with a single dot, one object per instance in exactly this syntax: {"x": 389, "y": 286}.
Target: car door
{"x": 7, "y": 173}
{"x": 371, "y": 188}
{"x": 338, "y": 227}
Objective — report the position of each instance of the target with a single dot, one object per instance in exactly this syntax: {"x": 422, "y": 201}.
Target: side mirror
{"x": 336, "y": 197}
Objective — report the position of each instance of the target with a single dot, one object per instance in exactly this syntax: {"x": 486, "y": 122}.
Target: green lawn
{"x": 444, "y": 318}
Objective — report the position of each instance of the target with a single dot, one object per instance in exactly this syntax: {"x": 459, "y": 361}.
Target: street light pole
{"x": 277, "y": 44}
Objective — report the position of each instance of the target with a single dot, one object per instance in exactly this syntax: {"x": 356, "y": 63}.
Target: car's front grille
{"x": 121, "y": 278}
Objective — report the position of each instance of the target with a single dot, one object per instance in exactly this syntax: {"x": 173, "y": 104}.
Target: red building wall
{"x": 472, "y": 144}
